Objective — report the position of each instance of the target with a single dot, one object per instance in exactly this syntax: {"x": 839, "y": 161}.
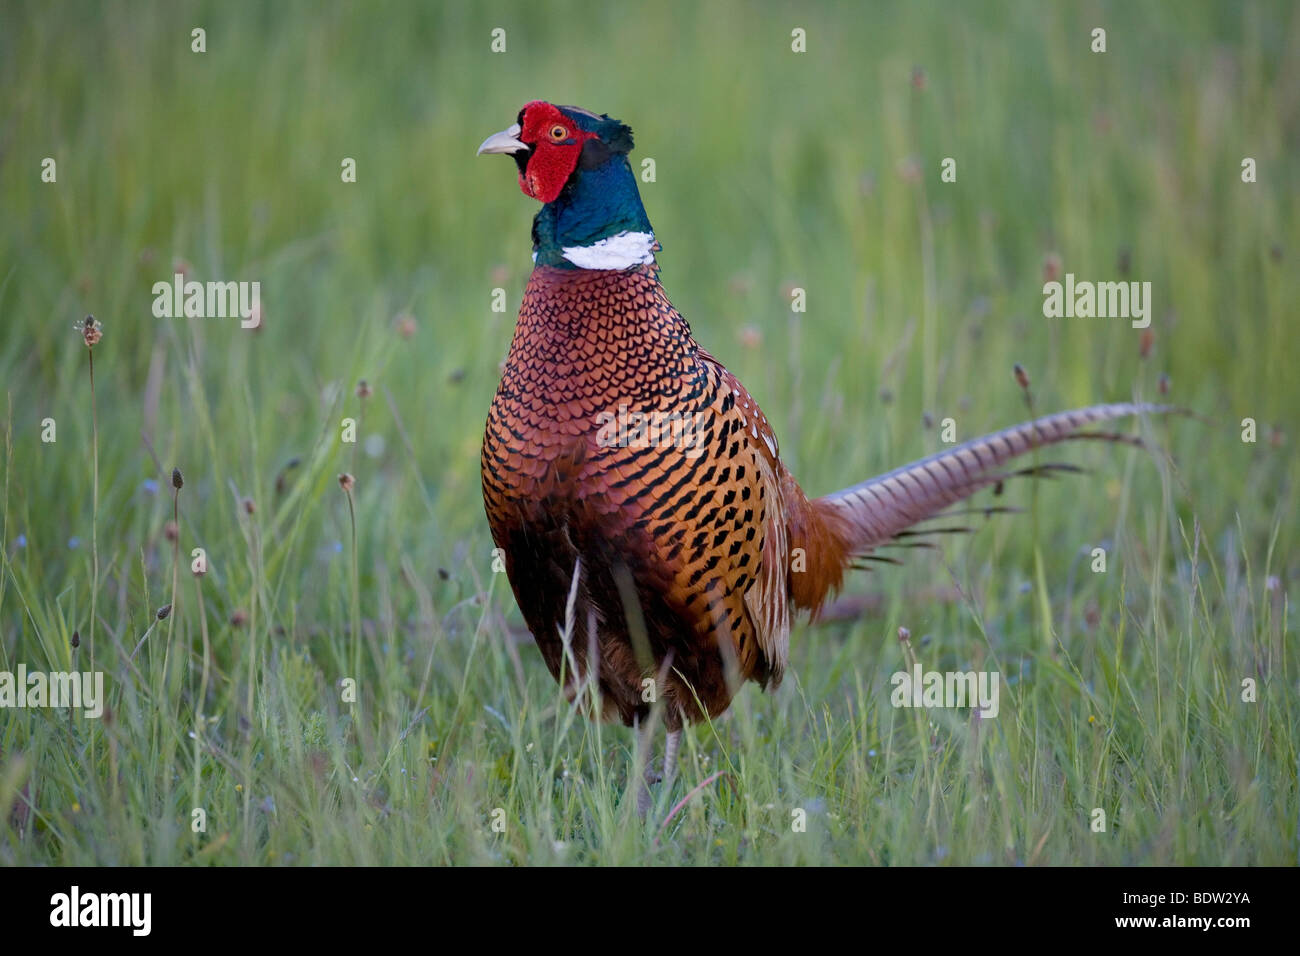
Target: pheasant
{"x": 654, "y": 540}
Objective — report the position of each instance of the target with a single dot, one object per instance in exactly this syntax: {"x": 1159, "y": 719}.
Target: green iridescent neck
{"x": 595, "y": 207}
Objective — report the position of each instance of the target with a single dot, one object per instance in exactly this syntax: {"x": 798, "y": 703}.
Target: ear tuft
{"x": 619, "y": 137}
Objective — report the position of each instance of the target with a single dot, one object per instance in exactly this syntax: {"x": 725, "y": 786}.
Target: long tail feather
{"x": 876, "y": 511}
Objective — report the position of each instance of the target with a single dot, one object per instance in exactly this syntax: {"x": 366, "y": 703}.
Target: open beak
{"x": 506, "y": 141}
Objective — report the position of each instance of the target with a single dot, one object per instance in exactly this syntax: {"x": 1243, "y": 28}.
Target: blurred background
{"x": 773, "y": 170}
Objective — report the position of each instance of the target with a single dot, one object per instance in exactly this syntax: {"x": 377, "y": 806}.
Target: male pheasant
{"x": 655, "y": 542}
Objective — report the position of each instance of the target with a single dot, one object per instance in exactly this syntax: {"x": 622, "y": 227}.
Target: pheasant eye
{"x": 558, "y": 133}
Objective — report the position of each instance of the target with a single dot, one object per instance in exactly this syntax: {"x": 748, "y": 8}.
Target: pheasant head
{"x": 575, "y": 163}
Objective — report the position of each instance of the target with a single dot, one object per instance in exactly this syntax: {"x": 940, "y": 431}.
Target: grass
{"x": 774, "y": 170}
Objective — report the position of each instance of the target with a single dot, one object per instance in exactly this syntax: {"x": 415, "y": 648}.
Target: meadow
{"x": 349, "y": 682}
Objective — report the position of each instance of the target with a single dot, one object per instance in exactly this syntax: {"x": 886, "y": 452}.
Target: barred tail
{"x": 875, "y": 511}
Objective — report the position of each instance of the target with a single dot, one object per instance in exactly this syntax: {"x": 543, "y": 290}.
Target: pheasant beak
{"x": 506, "y": 141}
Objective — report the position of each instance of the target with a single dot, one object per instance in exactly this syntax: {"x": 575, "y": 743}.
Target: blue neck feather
{"x": 596, "y": 204}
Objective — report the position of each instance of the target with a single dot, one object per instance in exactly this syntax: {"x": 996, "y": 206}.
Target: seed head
{"x": 177, "y": 481}
{"x": 164, "y": 611}
{"x": 904, "y": 635}
{"x": 909, "y": 169}
{"x": 91, "y": 331}
{"x": 1051, "y": 267}
{"x": 76, "y": 638}
{"x": 1144, "y": 346}
{"x": 170, "y": 531}
{"x": 1091, "y": 616}
{"x": 1022, "y": 377}
{"x": 363, "y": 389}
{"x": 347, "y": 482}
{"x": 282, "y": 479}
{"x": 249, "y": 507}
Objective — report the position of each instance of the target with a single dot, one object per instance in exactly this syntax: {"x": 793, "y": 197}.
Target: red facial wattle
{"x": 557, "y": 144}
